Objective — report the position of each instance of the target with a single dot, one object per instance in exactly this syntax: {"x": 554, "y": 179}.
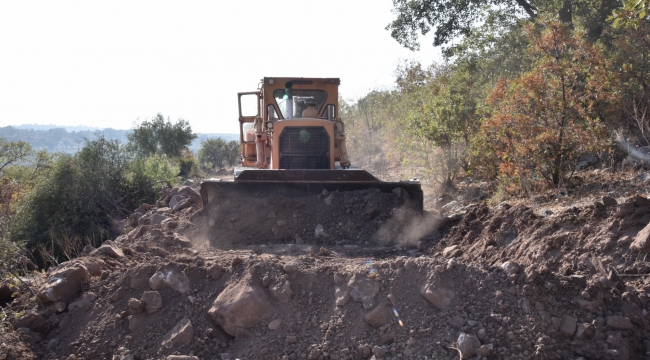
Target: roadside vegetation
{"x": 526, "y": 90}
{"x": 52, "y": 205}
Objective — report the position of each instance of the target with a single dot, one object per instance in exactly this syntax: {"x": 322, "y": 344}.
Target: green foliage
{"x": 450, "y": 18}
{"x": 81, "y": 195}
{"x": 12, "y": 152}
{"x": 160, "y": 136}
{"x": 632, "y": 14}
{"x": 215, "y": 153}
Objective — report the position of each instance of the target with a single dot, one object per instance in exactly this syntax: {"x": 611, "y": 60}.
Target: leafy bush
{"x": 82, "y": 195}
{"x": 543, "y": 120}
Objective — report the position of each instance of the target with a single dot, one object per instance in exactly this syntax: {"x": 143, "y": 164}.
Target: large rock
{"x": 189, "y": 193}
{"x": 171, "y": 276}
{"x": 568, "y": 326}
{"x": 240, "y": 306}
{"x": 139, "y": 279}
{"x": 108, "y": 248}
{"x": 137, "y": 232}
{"x": 179, "y": 335}
{"x": 63, "y": 284}
{"x": 94, "y": 265}
{"x": 619, "y": 322}
{"x": 152, "y": 301}
{"x": 363, "y": 289}
{"x": 31, "y": 320}
{"x": 157, "y": 219}
{"x": 378, "y": 316}
{"x": 510, "y": 267}
{"x": 437, "y": 296}
{"x": 467, "y": 345}
{"x": 641, "y": 241}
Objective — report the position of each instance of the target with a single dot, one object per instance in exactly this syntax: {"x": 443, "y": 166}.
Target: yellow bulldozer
{"x": 293, "y": 145}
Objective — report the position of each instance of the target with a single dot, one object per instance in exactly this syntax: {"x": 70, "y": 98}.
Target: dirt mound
{"x": 336, "y": 218}
{"x": 484, "y": 282}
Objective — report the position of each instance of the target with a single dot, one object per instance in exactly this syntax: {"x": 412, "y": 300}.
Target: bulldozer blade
{"x": 302, "y": 183}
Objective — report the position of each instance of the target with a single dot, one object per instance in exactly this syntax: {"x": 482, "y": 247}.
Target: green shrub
{"x": 82, "y": 195}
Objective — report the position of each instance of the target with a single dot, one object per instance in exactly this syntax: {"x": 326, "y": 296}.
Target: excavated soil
{"x": 259, "y": 281}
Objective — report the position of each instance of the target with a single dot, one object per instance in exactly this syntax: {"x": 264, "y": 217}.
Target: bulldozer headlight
{"x": 269, "y": 125}
{"x": 304, "y": 136}
{"x": 271, "y": 81}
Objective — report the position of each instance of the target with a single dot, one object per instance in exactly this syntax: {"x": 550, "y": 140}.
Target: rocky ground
{"x": 349, "y": 276}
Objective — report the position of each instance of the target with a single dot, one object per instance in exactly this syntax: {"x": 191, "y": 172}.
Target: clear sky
{"x": 109, "y": 63}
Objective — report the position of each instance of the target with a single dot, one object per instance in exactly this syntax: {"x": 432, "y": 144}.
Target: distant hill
{"x": 66, "y": 140}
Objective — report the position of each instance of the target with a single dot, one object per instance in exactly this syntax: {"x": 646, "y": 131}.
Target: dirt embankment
{"x": 376, "y": 282}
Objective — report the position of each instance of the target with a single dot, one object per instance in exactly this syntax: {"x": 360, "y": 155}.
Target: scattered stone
{"x": 108, "y": 248}
{"x": 157, "y": 219}
{"x": 363, "y": 289}
{"x": 179, "y": 335}
{"x": 624, "y": 210}
{"x": 215, "y": 272}
{"x": 275, "y": 324}
{"x": 585, "y": 331}
{"x": 136, "y": 306}
{"x": 181, "y": 357}
{"x": 457, "y": 321}
{"x": 282, "y": 292}
{"x": 568, "y": 326}
{"x": 170, "y": 276}
{"x": 619, "y": 322}
{"x": 510, "y": 267}
{"x": 484, "y": 350}
{"x": 140, "y": 279}
{"x": 378, "y": 316}
{"x": 378, "y": 351}
{"x": 182, "y": 241}
{"x": 609, "y": 201}
{"x": 152, "y": 301}
{"x": 319, "y": 231}
{"x": 291, "y": 267}
{"x": 467, "y": 345}
{"x": 452, "y": 251}
{"x": 437, "y": 296}
{"x": 291, "y": 339}
{"x": 240, "y": 306}
{"x": 63, "y": 284}
{"x": 342, "y": 296}
{"x": 59, "y": 307}
{"x": 450, "y": 206}
{"x": 641, "y": 241}
{"x": 32, "y": 321}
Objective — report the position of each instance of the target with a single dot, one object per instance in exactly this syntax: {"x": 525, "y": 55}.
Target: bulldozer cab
{"x": 291, "y": 123}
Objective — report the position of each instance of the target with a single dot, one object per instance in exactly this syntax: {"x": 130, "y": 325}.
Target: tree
{"x": 233, "y": 152}
{"x": 213, "y": 153}
{"x": 453, "y": 19}
{"x": 544, "y": 119}
{"x": 447, "y": 117}
{"x": 160, "y": 136}
{"x": 12, "y": 152}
